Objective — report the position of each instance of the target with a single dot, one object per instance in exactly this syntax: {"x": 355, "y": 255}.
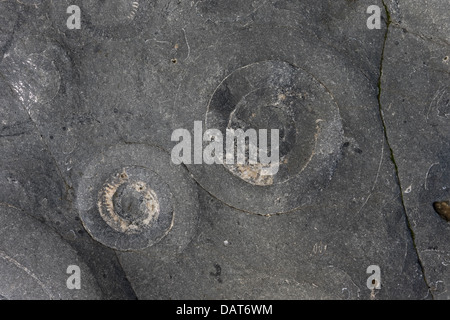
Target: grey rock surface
{"x": 34, "y": 261}
{"x": 416, "y": 107}
{"x": 86, "y": 175}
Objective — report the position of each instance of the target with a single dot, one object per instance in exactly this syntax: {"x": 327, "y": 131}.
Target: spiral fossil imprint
{"x": 131, "y": 198}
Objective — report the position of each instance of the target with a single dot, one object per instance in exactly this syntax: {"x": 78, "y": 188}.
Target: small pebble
{"x": 443, "y": 209}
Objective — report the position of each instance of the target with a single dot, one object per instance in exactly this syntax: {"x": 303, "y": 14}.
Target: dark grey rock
{"x": 172, "y": 218}
{"x": 415, "y": 100}
{"x": 303, "y": 255}
{"x": 78, "y": 107}
{"x": 34, "y": 261}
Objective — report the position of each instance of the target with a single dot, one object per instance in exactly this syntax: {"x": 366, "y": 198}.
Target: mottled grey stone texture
{"x": 365, "y": 116}
{"x": 416, "y": 107}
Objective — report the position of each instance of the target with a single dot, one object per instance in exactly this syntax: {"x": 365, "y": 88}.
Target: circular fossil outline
{"x": 39, "y": 70}
{"x": 112, "y": 196}
{"x": 39, "y": 81}
{"x": 157, "y": 217}
{"x": 278, "y": 198}
{"x": 285, "y": 99}
{"x": 183, "y": 197}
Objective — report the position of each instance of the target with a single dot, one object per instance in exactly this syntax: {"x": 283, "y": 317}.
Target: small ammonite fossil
{"x": 131, "y": 197}
{"x": 128, "y": 205}
{"x": 443, "y": 209}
